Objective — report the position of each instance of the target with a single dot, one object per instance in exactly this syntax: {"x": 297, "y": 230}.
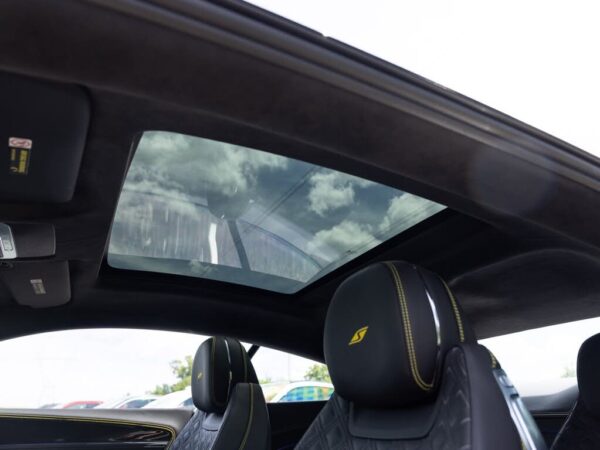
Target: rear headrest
{"x": 588, "y": 372}
{"x": 220, "y": 363}
{"x": 387, "y": 330}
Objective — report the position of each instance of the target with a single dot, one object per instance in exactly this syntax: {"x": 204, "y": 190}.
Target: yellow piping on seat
{"x": 461, "y": 331}
{"x": 410, "y": 345}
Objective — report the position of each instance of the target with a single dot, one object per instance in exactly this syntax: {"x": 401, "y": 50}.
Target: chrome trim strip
{"x": 436, "y": 319}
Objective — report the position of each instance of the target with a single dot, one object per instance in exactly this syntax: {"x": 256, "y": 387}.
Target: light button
{"x": 8, "y": 247}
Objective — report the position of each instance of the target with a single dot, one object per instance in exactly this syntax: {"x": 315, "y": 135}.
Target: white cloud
{"x": 343, "y": 237}
{"x": 405, "y": 211}
{"x": 198, "y": 164}
{"x": 332, "y": 190}
{"x": 146, "y": 180}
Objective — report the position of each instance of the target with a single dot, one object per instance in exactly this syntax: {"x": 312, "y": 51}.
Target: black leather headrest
{"x": 220, "y": 363}
{"x": 387, "y": 330}
{"x": 588, "y": 373}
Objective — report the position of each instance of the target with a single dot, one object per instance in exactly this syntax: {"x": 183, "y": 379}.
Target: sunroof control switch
{"x": 8, "y": 250}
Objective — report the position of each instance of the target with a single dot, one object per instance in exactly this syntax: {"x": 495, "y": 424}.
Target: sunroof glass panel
{"x": 201, "y": 208}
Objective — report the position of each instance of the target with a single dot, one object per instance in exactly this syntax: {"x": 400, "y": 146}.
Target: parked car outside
{"x": 129, "y": 402}
{"x": 80, "y": 404}
{"x": 178, "y": 399}
{"x": 50, "y": 406}
{"x": 298, "y": 391}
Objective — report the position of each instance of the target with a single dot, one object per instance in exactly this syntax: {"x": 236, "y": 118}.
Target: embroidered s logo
{"x": 358, "y": 335}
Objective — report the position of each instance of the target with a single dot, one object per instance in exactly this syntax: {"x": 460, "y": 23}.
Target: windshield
{"x": 536, "y": 61}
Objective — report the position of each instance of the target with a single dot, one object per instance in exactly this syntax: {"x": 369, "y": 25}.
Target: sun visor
{"x": 39, "y": 284}
{"x": 43, "y": 128}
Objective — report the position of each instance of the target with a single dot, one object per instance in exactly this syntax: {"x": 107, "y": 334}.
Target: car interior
{"x": 209, "y": 167}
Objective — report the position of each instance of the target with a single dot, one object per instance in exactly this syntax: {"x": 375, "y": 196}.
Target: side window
{"x": 97, "y": 368}
{"x": 130, "y": 369}
{"x": 543, "y": 361}
{"x": 307, "y": 393}
{"x": 299, "y": 394}
{"x": 288, "y": 378}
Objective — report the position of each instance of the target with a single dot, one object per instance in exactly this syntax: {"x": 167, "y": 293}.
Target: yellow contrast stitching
{"x": 247, "y": 433}
{"x": 166, "y": 428}
{"x": 494, "y": 360}
{"x": 461, "y": 331}
{"x": 410, "y": 345}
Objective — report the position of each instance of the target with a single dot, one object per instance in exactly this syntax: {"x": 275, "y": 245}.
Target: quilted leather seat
{"x": 408, "y": 373}
{"x": 232, "y": 413}
{"x": 581, "y": 431}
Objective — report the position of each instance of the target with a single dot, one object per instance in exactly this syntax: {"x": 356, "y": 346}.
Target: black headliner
{"x": 520, "y": 245}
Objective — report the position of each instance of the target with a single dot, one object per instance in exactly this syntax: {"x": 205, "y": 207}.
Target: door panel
{"x": 551, "y": 411}
{"x": 118, "y": 429}
{"x": 289, "y": 422}
{"x": 550, "y": 424}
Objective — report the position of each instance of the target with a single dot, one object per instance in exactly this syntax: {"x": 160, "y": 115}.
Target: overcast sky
{"x": 534, "y": 60}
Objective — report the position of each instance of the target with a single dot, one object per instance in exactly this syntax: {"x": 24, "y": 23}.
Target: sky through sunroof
{"x": 203, "y": 208}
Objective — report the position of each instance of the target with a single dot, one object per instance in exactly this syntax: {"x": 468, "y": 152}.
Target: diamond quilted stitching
{"x": 451, "y": 431}
{"x": 193, "y": 436}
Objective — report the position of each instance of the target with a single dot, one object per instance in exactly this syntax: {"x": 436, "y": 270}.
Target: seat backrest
{"x": 408, "y": 373}
{"x": 231, "y": 410}
{"x": 581, "y": 431}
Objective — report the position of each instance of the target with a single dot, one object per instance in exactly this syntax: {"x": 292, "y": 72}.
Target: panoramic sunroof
{"x": 201, "y": 208}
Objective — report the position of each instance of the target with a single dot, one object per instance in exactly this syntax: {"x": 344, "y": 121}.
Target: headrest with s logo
{"x": 220, "y": 363}
{"x": 387, "y": 331}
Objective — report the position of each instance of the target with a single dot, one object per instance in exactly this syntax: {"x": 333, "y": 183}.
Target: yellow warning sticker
{"x": 20, "y": 154}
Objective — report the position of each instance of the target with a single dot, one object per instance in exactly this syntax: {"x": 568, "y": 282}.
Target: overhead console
{"x": 27, "y": 269}
{"x": 43, "y": 129}
{"x": 26, "y": 240}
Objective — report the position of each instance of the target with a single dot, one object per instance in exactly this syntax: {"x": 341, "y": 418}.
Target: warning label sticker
{"x": 19, "y": 142}
{"x": 20, "y": 154}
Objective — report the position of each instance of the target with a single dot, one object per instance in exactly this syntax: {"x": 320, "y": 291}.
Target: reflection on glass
{"x": 202, "y": 208}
